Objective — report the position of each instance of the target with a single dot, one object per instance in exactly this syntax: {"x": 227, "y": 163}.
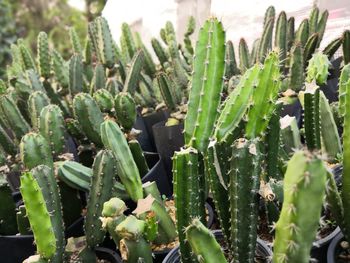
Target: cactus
{"x": 203, "y": 243}
{"x": 12, "y": 117}
{"x": 129, "y": 40}
{"x": 264, "y": 96}
{"x": 244, "y": 185}
{"x": 313, "y": 20}
{"x": 281, "y": 37}
{"x": 317, "y": 69}
{"x": 113, "y": 139}
{"x": 104, "y": 100}
{"x": 8, "y": 224}
{"x": 6, "y": 142}
{"x": 149, "y": 66}
{"x": 35, "y": 150}
{"x": 312, "y": 117}
{"x": 75, "y": 41}
{"x": 132, "y": 231}
{"x": 61, "y": 70}
{"x": 166, "y": 91}
{"x": 75, "y": 175}
{"x": 75, "y": 75}
{"x": 160, "y": 52}
{"x": 296, "y": 65}
{"x": 230, "y": 61}
{"x": 171, "y": 40}
{"x": 302, "y": 34}
{"x": 266, "y": 39}
{"x": 346, "y": 46}
{"x": 244, "y": 55}
{"x": 133, "y": 75}
{"x": 254, "y": 52}
{"x": 332, "y": 47}
{"x": 52, "y": 127}
{"x": 36, "y": 102}
{"x": 290, "y": 135}
{"x": 44, "y": 56}
{"x": 329, "y": 133}
{"x": 100, "y": 191}
{"x": 310, "y": 48}
{"x": 46, "y": 180}
{"x": 191, "y": 26}
{"x": 151, "y": 188}
{"x": 236, "y": 105}
{"x": 188, "y": 194}
{"x": 38, "y": 215}
{"x": 89, "y": 116}
{"x": 125, "y": 108}
{"x": 296, "y": 228}
{"x": 290, "y": 32}
{"x": 27, "y": 60}
{"x": 99, "y": 79}
{"x": 138, "y": 156}
{"x": 206, "y": 86}
{"x": 321, "y": 26}
{"x": 344, "y": 83}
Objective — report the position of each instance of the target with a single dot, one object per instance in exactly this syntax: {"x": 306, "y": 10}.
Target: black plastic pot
{"x": 261, "y": 248}
{"x": 320, "y": 247}
{"x": 330, "y": 89}
{"x": 167, "y": 141}
{"x": 293, "y": 109}
{"x": 143, "y": 137}
{"x": 108, "y": 254}
{"x": 334, "y": 249}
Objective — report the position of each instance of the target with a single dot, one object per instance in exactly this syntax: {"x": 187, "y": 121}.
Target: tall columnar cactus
{"x": 344, "y": 83}
{"x": 296, "y": 67}
{"x": 38, "y": 215}
{"x": 317, "y": 69}
{"x": 26, "y": 57}
{"x": 207, "y": 84}
{"x": 244, "y": 62}
{"x": 160, "y": 51}
{"x": 296, "y": 228}
{"x": 128, "y": 39}
{"x": 75, "y": 41}
{"x": 332, "y": 47}
{"x": 302, "y": 33}
{"x": 290, "y": 32}
{"x": 254, "y": 52}
{"x": 75, "y": 75}
{"x": 52, "y": 127}
{"x": 346, "y": 46}
{"x": 230, "y": 61}
{"x": 89, "y": 116}
{"x": 36, "y": 102}
{"x": 188, "y": 194}
{"x": 266, "y": 39}
{"x": 281, "y": 36}
{"x": 203, "y": 243}
{"x": 7, "y": 143}
{"x": 35, "y": 150}
{"x": 312, "y": 116}
{"x": 139, "y": 157}
{"x": 114, "y": 139}
{"x": 133, "y": 76}
{"x": 13, "y": 118}
{"x": 125, "y": 110}
{"x": 102, "y": 180}
{"x": 243, "y": 188}
{"x": 167, "y": 92}
{"x": 61, "y": 70}
{"x": 149, "y": 66}
{"x": 310, "y": 47}
{"x": 321, "y": 26}
{"x": 44, "y": 56}
{"x": 46, "y": 180}
{"x": 99, "y": 79}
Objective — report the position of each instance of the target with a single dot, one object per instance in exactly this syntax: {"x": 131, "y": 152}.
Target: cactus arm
{"x": 266, "y": 39}
{"x": 281, "y": 36}
{"x": 7, "y": 143}
{"x": 150, "y": 188}
{"x": 114, "y": 139}
{"x": 100, "y": 192}
{"x": 44, "y": 56}
{"x": 244, "y": 185}
{"x": 329, "y": 131}
{"x": 312, "y": 117}
{"x": 75, "y": 75}
{"x": 160, "y": 52}
{"x": 35, "y": 150}
{"x": 38, "y": 215}
{"x": 74, "y": 39}
{"x": 139, "y": 157}
{"x": 129, "y": 40}
{"x": 46, "y": 180}
{"x": 104, "y": 42}
{"x": 332, "y": 47}
{"x": 99, "y": 79}
{"x": 296, "y": 228}
{"x": 290, "y": 32}
{"x": 89, "y": 116}
{"x": 270, "y": 13}
{"x": 296, "y": 65}
{"x": 318, "y": 69}
{"x": 36, "y": 102}
{"x": 264, "y": 96}
{"x": 22, "y": 221}
{"x": 125, "y": 108}
{"x": 310, "y": 48}
{"x": 244, "y": 62}
{"x": 133, "y": 75}
{"x": 187, "y": 195}
{"x": 203, "y": 243}
{"x": 104, "y": 100}
{"x": 321, "y": 26}
{"x": 230, "y": 61}
{"x": 346, "y": 46}
{"x": 75, "y": 175}
{"x": 236, "y": 105}
{"x": 165, "y": 89}
{"x": 254, "y": 52}
{"x": 27, "y": 60}
{"x": 302, "y": 33}
{"x": 313, "y": 20}
{"x": 60, "y": 70}
{"x": 207, "y": 84}
{"x": 149, "y": 66}
{"x": 344, "y": 84}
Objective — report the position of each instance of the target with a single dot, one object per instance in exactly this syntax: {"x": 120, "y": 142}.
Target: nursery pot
{"x": 168, "y": 139}
{"x": 294, "y": 110}
{"x": 334, "y": 248}
{"x": 330, "y": 89}
{"x": 143, "y": 137}
{"x": 261, "y": 249}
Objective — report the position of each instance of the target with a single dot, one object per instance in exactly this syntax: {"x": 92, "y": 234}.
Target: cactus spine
{"x": 296, "y": 228}
{"x": 114, "y": 139}
{"x": 207, "y": 84}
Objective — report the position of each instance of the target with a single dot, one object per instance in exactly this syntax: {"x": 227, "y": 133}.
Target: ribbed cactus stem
{"x": 290, "y": 135}
{"x": 244, "y": 61}
{"x": 36, "y": 102}
{"x": 125, "y": 110}
{"x": 104, "y": 100}
{"x": 296, "y": 228}
{"x": 344, "y": 84}
{"x": 44, "y": 56}
{"x": 207, "y": 84}
{"x": 346, "y": 46}
{"x": 296, "y": 67}
{"x": 317, "y": 69}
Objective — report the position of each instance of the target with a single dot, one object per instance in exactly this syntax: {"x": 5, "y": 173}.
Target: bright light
{"x": 78, "y": 4}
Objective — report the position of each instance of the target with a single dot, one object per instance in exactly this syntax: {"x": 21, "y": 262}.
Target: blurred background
{"x": 26, "y": 18}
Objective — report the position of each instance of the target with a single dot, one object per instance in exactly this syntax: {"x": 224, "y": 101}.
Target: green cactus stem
{"x": 75, "y": 41}
{"x": 332, "y": 47}
{"x": 189, "y": 195}
{"x": 310, "y": 47}
{"x": 125, "y": 110}
{"x": 114, "y": 139}
{"x": 36, "y": 102}
{"x": 139, "y": 157}
{"x": 290, "y": 32}
{"x": 317, "y": 69}
{"x": 7, "y": 143}
{"x": 254, "y": 52}
{"x": 290, "y": 135}
{"x": 38, "y": 215}
{"x": 203, "y": 243}
{"x": 313, "y": 20}
{"x": 230, "y": 61}
{"x": 133, "y": 76}
{"x": 302, "y": 33}
{"x": 344, "y": 84}
{"x": 44, "y": 56}
{"x": 35, "y": 150}
{"x": 281, "y": 37}
{"x": 89, "y": 116}
{"x": 346, "y": 46}
{"x": 75, "y": 75}
{"x": 22, "y": 221}
{"x": 321, "y": 26}
{"x": 296, "y": 68}
{"x": 266, "y": 39}
{"x": 244, "y": 55}
{"x": 52, "y": 127}
{"x": 104, "y": 100}
{"x": 296, "y": 228}
{"x": 160, "y": 51}
{"x": 207, "y": 84}
{"x": 61, "y": 70}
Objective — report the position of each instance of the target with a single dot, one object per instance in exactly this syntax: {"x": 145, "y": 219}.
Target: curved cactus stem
{"x": 313, "y": 20}
{"x": 266, "y": 39}
{"x": 332, "y": 47}
{"x": 133, "y": 76}
{"x": 310, "y": 48}
{"x": 243, "y": 51}
{"x": 75, "y": 41}
{"x": 290, "y": 135}
{"x": 160, "y": 51}
{"x": 321, "y": 26}
{"x": 139, "y": 157}
{"x": 36, "y": 102}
